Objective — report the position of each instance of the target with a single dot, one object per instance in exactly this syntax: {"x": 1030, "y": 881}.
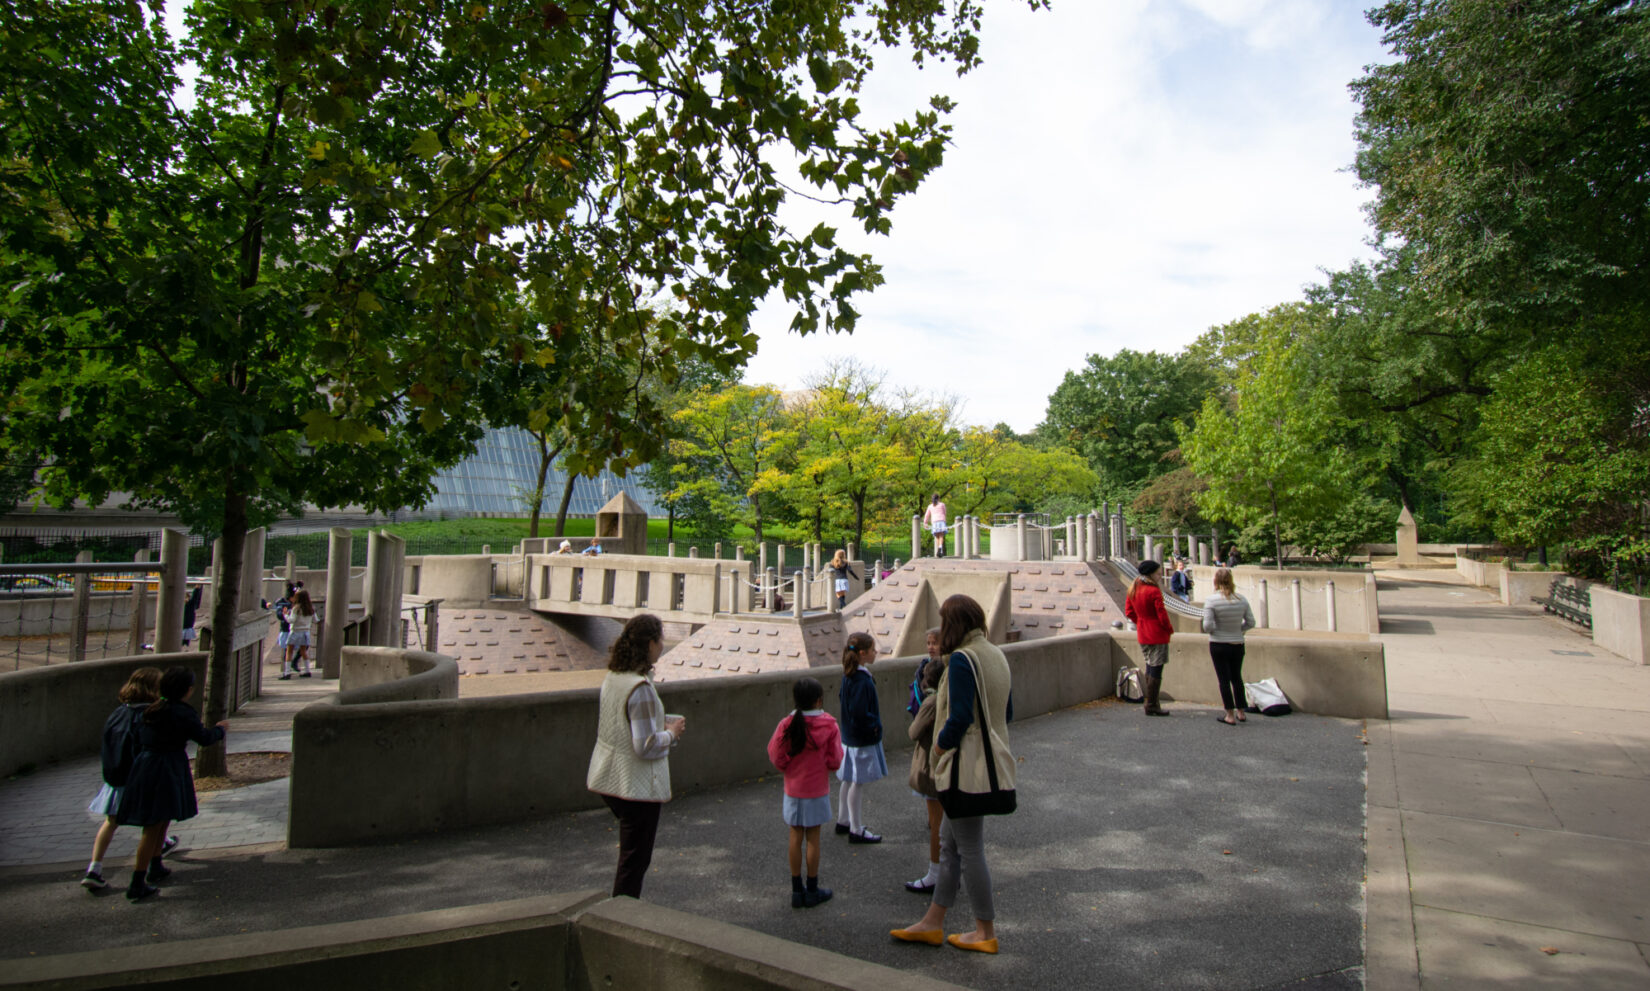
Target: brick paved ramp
{"x": 1046, "y": 599}
{"x": 1146, "y": 853}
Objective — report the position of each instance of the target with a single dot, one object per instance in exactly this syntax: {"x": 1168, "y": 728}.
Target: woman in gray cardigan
{"x": 1226, "y": 615}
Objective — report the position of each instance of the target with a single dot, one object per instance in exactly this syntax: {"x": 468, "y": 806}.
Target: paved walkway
{"x": 1146, "y": 853}
{"x": 43, "y": 817}
{"x": 1509, "y": 799}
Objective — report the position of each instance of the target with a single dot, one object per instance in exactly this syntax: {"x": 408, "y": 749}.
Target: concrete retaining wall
{"x": 57, "y": 712}
{"x": 567, "y": 942}
{"x": 1326, "y": 677}
{"x": 1519, "y": 587}
{"x": 460, "y": 580}
{"x": 505, "y": 759}
{"x": 1621, "y": 623}
{"x": 390, "y": 674}
{"x": 1484, "y": 574}
{"x": 1356, "y": 607}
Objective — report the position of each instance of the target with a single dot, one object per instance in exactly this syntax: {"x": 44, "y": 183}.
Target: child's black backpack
{"x": 121, "y": 744}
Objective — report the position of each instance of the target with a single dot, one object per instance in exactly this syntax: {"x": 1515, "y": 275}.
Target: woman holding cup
{"x": 630, "y": 766}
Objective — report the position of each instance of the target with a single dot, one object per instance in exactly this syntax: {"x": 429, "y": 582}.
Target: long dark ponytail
{"x": 806, "y": 693}
{"x": 174, "y": 685}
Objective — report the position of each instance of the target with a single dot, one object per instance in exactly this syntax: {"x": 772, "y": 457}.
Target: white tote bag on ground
{"x": 1266, "y": 696}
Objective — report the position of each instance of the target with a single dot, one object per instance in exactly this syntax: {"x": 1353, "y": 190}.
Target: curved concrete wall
{"x": 1326, "y": 677}
{"x": 390, "y": 674}
{"x": 378, "y": 771}
{"x": 58, "y": 711}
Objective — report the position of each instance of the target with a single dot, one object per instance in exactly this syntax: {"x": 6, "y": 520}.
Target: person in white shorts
{"x": 934, "y": 518}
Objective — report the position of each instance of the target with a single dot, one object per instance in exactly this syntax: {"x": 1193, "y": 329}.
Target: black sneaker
{"x": 864, "y": 836}
{"x": 138, "y": 892}
{"x": 93, "y": 881}
{"x": 815, "y": 896}
{"x": 170, "y": 844}
{"x": 841, "y": 828}
{"x": 304, "y": 675}
{"x": 158, "y": 871}
{"x": 796, "y": 898}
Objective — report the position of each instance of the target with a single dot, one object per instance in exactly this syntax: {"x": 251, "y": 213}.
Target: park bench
{"x": 1568, "y": 601}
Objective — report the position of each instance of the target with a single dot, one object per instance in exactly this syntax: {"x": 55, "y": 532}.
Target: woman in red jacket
{"x": 1151, "y": 619}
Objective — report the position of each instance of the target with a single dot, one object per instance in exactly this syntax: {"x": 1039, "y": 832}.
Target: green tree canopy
{"x": 1509, "y": 145}
{"x": 289, "y": 283}
{"x": 1268, "y": 450}
{"x": 1122, "y": 413}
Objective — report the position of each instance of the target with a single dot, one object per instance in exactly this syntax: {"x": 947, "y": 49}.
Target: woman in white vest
{"x": 630, "y": 767}
{"x": 973, "y": 770}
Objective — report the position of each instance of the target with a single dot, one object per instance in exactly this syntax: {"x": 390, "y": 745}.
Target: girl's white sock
{"x": 933, "y": 874}
{"x": 855, "y": 801}
{"x": 95, "y": 867}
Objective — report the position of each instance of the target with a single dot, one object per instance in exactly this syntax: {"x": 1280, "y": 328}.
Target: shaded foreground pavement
{"x": 1147, "y": 852}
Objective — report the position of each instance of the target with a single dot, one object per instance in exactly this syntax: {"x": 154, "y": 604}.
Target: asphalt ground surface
{"x": 1146, "y": 853}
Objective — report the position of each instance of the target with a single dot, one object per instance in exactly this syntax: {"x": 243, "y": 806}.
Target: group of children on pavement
{"x": 146, "y": 779}
{"x": 808, "y": 745}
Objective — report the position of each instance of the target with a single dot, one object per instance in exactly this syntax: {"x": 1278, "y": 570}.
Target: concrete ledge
{"x": 390, "y": 674}
{"x": 1621, "y": 623}
{"x": 1323, "y": 677}
{"x": 579, "y": 941}
{"x": 56, "y": 712}
{"x": 1059, "y": 673}
{"x": 1519, "y": 587}
{"x": 624, "y": 943}
{"x": 524, "y": 944}
{"x": 509, "y": 758}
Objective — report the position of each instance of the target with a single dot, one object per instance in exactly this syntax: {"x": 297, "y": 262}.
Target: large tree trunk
{"x": 859, "y": 521}
{"x": 566, "y": 500}
{"x": 211, "y": 762}
{"x": 670, "y": 523}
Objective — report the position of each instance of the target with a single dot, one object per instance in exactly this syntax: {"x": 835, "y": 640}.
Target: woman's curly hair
{"x": 630, "y": 651}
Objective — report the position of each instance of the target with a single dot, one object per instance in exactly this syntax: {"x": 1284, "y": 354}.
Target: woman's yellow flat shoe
{"x": 933, "y": 937}
{"x": 983, "y": 946}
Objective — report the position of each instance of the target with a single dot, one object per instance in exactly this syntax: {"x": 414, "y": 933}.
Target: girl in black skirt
{"x": 159, "y": 790}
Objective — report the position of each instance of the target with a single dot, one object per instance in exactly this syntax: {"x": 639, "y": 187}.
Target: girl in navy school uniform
{"x": 159, "y": 790}
{"x": 806, "y": 747}
{"x": 863, "y": 761}
{"x": 119, "y": 738}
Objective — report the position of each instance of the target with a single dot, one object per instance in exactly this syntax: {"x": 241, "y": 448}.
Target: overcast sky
{"x": 1124, "y": 174}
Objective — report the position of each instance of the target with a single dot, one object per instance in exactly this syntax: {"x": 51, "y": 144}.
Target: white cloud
{"x": 1123, "y": 175}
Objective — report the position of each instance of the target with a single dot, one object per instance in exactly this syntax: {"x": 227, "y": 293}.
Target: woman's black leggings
{"x": 638, "y": 826}
{"x": 1228, "y": 658}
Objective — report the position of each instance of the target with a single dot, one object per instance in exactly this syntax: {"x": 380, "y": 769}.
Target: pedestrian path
{"x": 1509, "y": 799}
{"x": 43, "y": 817}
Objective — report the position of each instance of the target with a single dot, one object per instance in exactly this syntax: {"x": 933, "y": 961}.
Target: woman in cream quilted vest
{"x": 630, "y": 767}
{"x": 973, "y": 769}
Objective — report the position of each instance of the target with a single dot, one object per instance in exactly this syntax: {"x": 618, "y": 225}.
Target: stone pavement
{"x": 1509, "y": 799}
{"x": 1146, "y": 853}
{"x": 43, "y": 817}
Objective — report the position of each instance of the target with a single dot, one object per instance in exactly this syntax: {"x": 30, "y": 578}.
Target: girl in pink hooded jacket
{"x": 806, "y": 747}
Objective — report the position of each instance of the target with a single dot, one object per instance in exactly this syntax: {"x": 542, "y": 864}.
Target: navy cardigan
{"x": 861, "y": 715}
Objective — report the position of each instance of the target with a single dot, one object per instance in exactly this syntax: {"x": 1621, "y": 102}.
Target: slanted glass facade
{"x": 498, "y": 479}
